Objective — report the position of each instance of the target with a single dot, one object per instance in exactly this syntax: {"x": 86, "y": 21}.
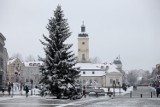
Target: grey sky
{"x": 129, "y": 28}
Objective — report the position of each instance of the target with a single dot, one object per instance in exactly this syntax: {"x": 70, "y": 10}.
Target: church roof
{"x": 92, "y": 73}
{"x": 117, "y": 61}
{"x": 112, "y": 68}
{"x": 82, "y": 34}
{"x": 90, "y": 66}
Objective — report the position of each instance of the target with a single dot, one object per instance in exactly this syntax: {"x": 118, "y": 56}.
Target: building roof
{"x": 82, "y": 35}
{"x": 117, "y": 61}
{"x": 11, "y": 61}
{"x": 92, "y": 73}
{"x": 112, "y": 68}
{"x": 90, "y": 66}
{"x": 33, "y": 63}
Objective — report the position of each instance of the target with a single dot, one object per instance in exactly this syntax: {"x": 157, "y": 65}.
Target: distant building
{"x": 83, "y": 46}
{"x": 3, "y": 61}
{"x": 31, "y": 72}
{"x": 15, "y": 68}
{"x": 97, "y": 75}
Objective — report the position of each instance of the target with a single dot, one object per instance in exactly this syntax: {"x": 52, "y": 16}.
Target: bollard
{"x": 141, "y": 95}
{"x": 130, "y": 94}
{"x": 151, "y": 94}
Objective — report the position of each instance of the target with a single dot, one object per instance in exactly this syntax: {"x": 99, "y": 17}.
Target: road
{"x": 118, "y": 101}
{"x": 130, "y": 100}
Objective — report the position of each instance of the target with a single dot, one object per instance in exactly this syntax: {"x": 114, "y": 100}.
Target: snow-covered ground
{"x": 119, "y": 90}
{"x": 34, "y": 92}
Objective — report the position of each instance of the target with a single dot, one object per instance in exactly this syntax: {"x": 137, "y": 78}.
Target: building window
{"x": 102, "y": 67}
{"x": 38, "y": 64}
{"x": 1, "y": 63}
{"x": 83, "y": 56}
{"x": 84, "y": 81}
{"x": 34, "y": 64}
{"x": 90, "y": 81}
{"x": 30, "y": 64}
{"x": 84, "y": 73}
{"x": 111, "y": 81}
{"x": 92, "y": 72}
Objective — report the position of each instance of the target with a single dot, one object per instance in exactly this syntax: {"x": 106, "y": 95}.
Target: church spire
{"x": 83, "y": 31}
{"x": 83, "y": 27}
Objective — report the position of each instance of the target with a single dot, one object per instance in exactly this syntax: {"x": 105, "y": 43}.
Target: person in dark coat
{"x": 84, "y": 92}
{"x": 158, "y": 91}
{"x": 27, "y": 90}
{"x": 3, "y": 91}
{"x": 9, "y": 89}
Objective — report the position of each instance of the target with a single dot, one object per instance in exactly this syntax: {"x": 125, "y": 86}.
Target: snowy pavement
{"x": 127, "y": 101}
{"x": 89, "y": 101}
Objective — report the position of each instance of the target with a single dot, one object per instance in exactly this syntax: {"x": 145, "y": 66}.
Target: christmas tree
{"x": 58, "y": 72}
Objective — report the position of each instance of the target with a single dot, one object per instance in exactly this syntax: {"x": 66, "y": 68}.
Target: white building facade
{"x": 97, "y": 75}
{"x": 32, "y": 72}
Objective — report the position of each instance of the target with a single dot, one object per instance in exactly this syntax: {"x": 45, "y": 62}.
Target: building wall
{"x": 104, "y": 81}
{"x": 117, "y": 77}
{"x": 32, "y": 73}
{"x": 12, "y": 68}
{"x": 83, "y": 79}
{"x": 83, "y": 48}
{"x": 3, "y": 61}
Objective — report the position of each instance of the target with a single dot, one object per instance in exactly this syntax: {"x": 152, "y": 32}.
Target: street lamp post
{"x": 31, "y": 87}
{"x": 119, "y": 88}
{"x": 113, "y": 87}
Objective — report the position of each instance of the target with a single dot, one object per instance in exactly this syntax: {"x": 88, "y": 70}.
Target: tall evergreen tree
{"x": 59, "y": 70}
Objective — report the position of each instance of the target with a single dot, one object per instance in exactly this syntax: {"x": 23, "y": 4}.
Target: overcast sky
{"x": 129, "y": 28}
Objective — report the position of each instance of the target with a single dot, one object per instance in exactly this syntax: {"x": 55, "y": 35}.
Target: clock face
{"x": 83, "y": 43}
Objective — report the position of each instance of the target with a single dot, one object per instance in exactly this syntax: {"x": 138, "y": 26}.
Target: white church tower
{"x": 83, "y": 46}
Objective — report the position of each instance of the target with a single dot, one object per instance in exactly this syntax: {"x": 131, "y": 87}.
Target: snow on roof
{"x": 11, "y": 61}
{"x": 90, "y": 66}
{"x": 92, "y": 73}
{"x": 33, "y": 63}
{"x": 112, "y": 68}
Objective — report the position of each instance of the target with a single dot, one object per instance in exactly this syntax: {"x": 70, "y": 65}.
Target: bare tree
{"x": 132, "y": 77}
{"x": 17, "y": 55}
{"x": 29, "y": 58}
{"x": 145, "y": 78}
{"x": 95, "y": 60}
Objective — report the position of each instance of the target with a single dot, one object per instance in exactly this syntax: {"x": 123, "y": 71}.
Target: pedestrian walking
{"x": 84, "y": 92}
{"x": 9, "y": 89}
{"x": 158, "y": 91}
{"x": 27, "y": 90}
{"x": 3, "y": 91}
